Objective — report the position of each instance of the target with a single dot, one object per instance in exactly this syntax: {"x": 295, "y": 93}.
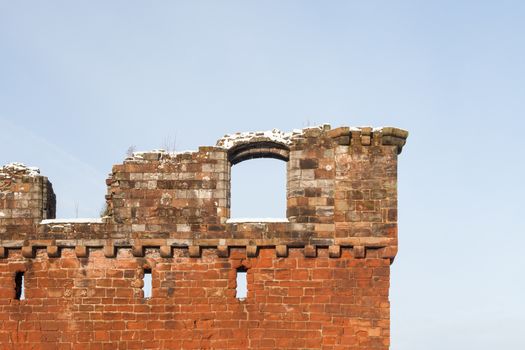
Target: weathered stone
{"x": 166, "y": 251}
{"x": 28, "y": 251}
{"x": 359, "y": 252}
{"x": 281, "y": 251}
{"x": 310, "y": 251}
{"x": 194, "y": 251}
{"x": 137, "y": 250}
{"x": 109, "y": 251}
{"x": 81, "y": 251}
{"x": 53, "y": 251}
{"x": 251, "y": 251}
{"x": 168, "y": 217}
{"x": 223, "y": 251}
{"x": 334, "y": 251}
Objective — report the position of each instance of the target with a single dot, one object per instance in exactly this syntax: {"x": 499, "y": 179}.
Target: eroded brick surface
{"x": 318, "y": 281}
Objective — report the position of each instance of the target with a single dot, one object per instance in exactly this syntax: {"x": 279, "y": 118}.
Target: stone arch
{"x": 271, "y": 144}
{"x": 258, "y": 149}
{"x": 259, "y": 144}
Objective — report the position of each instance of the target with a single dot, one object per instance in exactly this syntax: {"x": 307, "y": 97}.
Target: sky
{"x": 81, "y": 82}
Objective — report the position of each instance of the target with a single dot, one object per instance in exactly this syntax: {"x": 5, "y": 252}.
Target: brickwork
{"x": 318, "y": 281}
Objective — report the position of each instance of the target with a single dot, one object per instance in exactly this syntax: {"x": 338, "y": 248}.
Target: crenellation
{"x": 317, "y": 279}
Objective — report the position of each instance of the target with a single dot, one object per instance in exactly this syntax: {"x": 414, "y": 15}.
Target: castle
{"x": 317, "y": 280}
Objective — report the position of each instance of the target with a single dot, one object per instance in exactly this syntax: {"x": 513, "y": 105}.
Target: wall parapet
{"x": 341, "y": 185}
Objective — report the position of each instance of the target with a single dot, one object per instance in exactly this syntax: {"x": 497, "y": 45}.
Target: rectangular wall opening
{"x": 242, "y": 283}
{"x": 258, "y": 191}
{"x": 148, "y": 287}
{"x": 20, "y": 293}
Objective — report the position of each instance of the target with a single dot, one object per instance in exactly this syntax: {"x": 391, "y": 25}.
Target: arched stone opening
{"x": 258, "y": 188}
{"x": 262, "y": 149}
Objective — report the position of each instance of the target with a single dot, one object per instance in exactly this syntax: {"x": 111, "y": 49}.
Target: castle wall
{"x": 318, "y": 280}
{"x": 293, "y": 302}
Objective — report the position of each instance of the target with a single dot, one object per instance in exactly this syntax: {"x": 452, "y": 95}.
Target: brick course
{"x": 318, "y": 281}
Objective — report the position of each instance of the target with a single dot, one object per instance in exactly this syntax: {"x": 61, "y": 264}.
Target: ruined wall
{"x": 26, "y": 198}
{"x": 318, "y": 281}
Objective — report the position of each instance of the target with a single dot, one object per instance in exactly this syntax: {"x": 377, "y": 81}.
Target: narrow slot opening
{"x": 242, "y": 283}
{"x": 147, "y": 288}
{"x": 19, "y": 286}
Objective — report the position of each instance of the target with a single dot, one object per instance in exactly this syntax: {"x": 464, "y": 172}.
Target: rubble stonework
{"x": 317, "y": 280}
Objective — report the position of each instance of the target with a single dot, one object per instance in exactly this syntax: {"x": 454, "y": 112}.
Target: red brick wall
{"x": 293, "y": 302}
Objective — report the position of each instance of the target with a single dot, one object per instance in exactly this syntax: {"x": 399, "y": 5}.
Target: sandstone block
{"x": 310, "y": 251}
{"x": 166, "y": 251}
{"x": 251, "y": 251}
{"x": 194, "y": 251}
{"x": 81, "y": 251}
{"x": 281, "y": 251}
{"x": 53, "y": 251}
{"x": 137, "y": 250}
{"x": 109, "y": 251}
{"x": 334, "y": 251}
{"x": 223, "y": 251}
{"x": 359, "y": 252}
{"x": 28, "y": 251}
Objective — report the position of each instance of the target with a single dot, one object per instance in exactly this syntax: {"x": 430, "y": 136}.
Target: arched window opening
{"x": 258, "y": 190}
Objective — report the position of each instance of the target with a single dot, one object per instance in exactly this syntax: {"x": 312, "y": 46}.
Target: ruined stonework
{"x": 318, "y": 280}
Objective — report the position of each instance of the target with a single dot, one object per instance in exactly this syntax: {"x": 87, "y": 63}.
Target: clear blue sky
{"x": 81, "y": 82}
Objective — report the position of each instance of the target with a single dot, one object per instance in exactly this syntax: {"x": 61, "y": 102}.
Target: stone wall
{"x": 26, "y": 198}
{"x": 319, "y": 280}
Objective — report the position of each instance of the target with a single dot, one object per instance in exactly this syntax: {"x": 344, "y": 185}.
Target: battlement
{"x": 171, "y": 212}
{"x": 341, "y": 191}
{"x": 26, "y": 198}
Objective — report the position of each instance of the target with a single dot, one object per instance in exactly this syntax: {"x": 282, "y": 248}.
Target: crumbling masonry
{"x": 318, "y": 280}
